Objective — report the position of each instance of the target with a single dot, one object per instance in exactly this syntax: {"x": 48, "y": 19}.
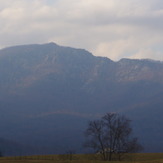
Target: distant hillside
{"x": 49, "y": 92}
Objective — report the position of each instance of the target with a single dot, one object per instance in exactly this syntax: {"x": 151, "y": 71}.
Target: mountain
{"x": 50, "y": 92}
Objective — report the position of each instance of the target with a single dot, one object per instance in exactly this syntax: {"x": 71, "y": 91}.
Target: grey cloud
{"x": 108, "y": 28}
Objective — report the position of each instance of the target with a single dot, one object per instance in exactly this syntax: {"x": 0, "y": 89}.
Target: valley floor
{"x": 134, "y": 158}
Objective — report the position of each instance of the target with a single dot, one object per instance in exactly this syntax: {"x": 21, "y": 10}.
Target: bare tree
{"x": 97, "y": 137}
{"x": 69, "y": 155}
{"x": 111, "y": 135}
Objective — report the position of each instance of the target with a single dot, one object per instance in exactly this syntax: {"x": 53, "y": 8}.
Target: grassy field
{"x": 134, "y": 158}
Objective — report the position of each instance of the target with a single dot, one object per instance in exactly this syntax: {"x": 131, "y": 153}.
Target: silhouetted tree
{"x": 69, "y": 155}
{"x": 1, "y": 154}
{"x": 111, "y": 135}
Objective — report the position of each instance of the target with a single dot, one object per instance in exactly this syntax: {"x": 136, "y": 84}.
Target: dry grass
{"x": 132, "y": 158}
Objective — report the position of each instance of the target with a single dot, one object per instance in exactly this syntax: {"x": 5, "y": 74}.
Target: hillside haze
{"x": 49, "y": 92}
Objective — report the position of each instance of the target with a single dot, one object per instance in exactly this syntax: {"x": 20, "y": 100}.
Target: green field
{"x": 133, "y": 158}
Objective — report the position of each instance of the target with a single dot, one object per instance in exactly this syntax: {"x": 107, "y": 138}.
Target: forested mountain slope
{"x": 49, "y": 92}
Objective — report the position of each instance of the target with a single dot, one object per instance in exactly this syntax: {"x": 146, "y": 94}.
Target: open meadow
{"x": 133, "y": 158}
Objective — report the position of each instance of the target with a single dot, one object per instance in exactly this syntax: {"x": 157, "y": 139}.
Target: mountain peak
{"x": 47, "y": 81}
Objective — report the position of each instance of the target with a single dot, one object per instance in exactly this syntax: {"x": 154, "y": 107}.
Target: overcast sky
{"x": 112, "y": 28}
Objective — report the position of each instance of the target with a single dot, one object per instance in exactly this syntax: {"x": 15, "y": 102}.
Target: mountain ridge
{"x": 48, "y": 90}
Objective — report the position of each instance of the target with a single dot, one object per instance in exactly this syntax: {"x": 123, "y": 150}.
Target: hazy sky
{"x": 112, "y": 28}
